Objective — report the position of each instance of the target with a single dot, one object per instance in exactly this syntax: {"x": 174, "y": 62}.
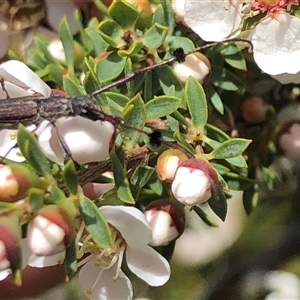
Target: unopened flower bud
{"x": 254, "y": 109}
{"x": 196, "y": 65}
{"x": 15, "y": 181}
{"x": 51, "y": 231}
{"x": 195, "y": 182}
{"x": 168, "y": 162}
{"x": 10, "y": 243}
{"x": 166, "y": 220}
{"x": 289, "y": 140}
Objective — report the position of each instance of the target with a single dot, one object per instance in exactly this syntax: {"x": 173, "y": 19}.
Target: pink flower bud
{"x": 195, "y": 65}
{"x": 15, "y": 181}
{"x": 51, "y": 231}
{"x": 195, "y": 182}
{"x": 166, "y": 220}
{"x": 10, "y": 243}
{"x": 289, "y": 140}
{"x": 168, "y": 162}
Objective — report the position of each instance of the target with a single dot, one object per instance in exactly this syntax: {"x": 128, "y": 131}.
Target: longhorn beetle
{"x": 30, "y": 110}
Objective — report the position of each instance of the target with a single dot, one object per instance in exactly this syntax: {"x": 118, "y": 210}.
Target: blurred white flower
{"x": 289, "y": 141}
{"x": 101, "y": 276}
{"x": 274, "y": 37}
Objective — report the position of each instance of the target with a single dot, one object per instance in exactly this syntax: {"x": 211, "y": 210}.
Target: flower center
{"x": 105, "y": 257}
{"x": 271, "y": 5}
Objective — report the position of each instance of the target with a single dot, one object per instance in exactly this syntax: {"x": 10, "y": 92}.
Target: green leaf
{"x": 32, "y": 151}
{"x": 238, "y": 161}
{"x": 196, "y": 101}
{"x": 72, "y": 86}
{"x": 182, "y": 141}
{"x": 35, "y": 197}
{"x": 95, "y": 223}
{"x": 70, "y": 261}
{"x": 133, "y": 49}
{"x": 111, "y": 67}
{"x": 70, "y": 177}
{"x": 226, "y": 80}
{"x": 237, "y": 182}
{"x": 124, "y": 14}
{"x": 155, "y": 36}
{"x": 156, "y": 184}
{"x": 180, "y": 42}
{"x": 141, "y": 176}
{"x": 215, "y": 99}
{"x": 39, "y": 44}
{"x": 134, "y": 115}
{"x": 230, "y": 148}
{"x": 161, "y": 106}
{"x": 66, "y": 38}
{"x": 218, "y": 203}
{"x": 169, "y": 15}
{"x": 121, "y": 180}
{"x": 55, "y": 73}
{"x": 111, "y": 33}
{"x": 233, "y": 56}
{"x": 205, "y": 217}
{"x": 159, "y": 15}
{"x": 169, "y": 82}
{"x": 250, "y": 198}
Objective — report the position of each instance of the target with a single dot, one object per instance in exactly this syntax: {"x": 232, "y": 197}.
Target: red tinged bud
{"x": 168, "y": 162}
{"x": 51, "y": 231}
{"x": 166, "y": 220}
{"x": 10, "y": 244}
{"x": 15, "y": 181}
{"x": 195, "y": 182}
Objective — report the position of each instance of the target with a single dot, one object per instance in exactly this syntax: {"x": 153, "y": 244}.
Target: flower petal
{"x": 107, "y": 287}
{"x": 213, "y": 20}
{"x": 286, "y": 78}
{"x": 46, "y": 261}
{"x": 19, "y": 74}
{"x": 87, "y": 140}
{"x": 148, "y": 264}
{"x": 276, "y": 44}
{"x": 124, "y": 219}
{"x": 51, "y": 145}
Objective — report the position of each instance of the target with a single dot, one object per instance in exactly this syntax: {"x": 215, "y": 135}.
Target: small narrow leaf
{"x": 155, "y": 36}
{"x": 70, "y": 177}
{"x": 205, "y": 217}
{"x": 196, "y": 101}
{"x": 95, "y": 223}
{"x": 123, "y": 13}
{"x": 161, "y": 106}
{"x": 121, "y": 180}
{"x": 32, "y": 151}
{"x": 70, "y": 261}
{"x": 230, "y": 148}
{"x": 134, "y": 114}
{"x": 66, "y": 38}
{"x": 218, "y": 203}
{"x": 142, "y": 175}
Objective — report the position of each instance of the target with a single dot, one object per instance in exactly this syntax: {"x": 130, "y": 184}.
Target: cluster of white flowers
{"x": 270, "y": 32}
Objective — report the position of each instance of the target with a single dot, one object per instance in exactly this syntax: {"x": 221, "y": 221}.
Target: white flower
{"x": 87, "y": 140}
{"x": 101, "y": 277}
{"x": 213, "y": 20}
{"x": 276, "y": 45}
